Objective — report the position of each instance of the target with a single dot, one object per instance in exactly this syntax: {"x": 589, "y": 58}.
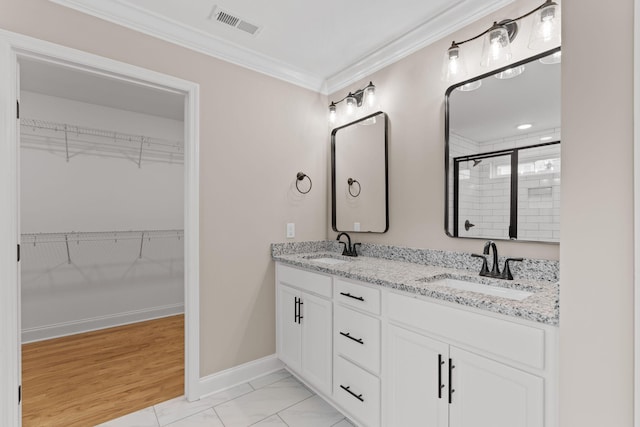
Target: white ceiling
{"x": 323, "y": 45}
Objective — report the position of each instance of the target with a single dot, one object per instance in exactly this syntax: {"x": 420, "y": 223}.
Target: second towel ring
{"x": 352, "y": 181}
{"x": 299, "y": 177}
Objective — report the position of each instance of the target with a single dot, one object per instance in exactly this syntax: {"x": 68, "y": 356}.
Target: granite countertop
{"x": 417, "y": 278}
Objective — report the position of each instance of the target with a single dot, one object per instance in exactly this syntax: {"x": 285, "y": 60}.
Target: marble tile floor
{"x": 274, "y": 400}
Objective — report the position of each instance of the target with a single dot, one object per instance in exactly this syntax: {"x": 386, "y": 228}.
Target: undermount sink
{"x": 496, "y": 291}
{"x": 330, "y": 261}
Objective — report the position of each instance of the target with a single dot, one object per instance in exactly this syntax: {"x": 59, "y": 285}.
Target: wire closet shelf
{"x": 74, "y": 237}
{"x": 71, "y": 140}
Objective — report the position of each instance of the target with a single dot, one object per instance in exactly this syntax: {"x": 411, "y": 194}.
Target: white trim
{"x": 239, "y": 374}
{"x": 10, "y": 411}
{"x": 636, "y": 211}
{"x": 12, "y": 46}
{"x": 63, "y": 329}
{"x": 123, "y": 13}
{"x": 447, "y": 22}
{"x": 141, "y": 20}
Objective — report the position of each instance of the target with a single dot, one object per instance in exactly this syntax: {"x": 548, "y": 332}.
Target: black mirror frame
{"x": 386, "y": 171}
{"x": 446, "y": 140}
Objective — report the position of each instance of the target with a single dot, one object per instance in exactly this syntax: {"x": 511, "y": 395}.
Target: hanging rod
{"x": 95, "y": 236}
{"x": 72, "y": 140}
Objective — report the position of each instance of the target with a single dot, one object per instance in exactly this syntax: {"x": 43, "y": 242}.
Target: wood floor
{"x": 90, "y": 378}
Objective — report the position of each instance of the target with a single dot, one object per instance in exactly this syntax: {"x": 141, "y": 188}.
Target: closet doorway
{"x": 104, "y": 161}
{"x": 102, "y": 245}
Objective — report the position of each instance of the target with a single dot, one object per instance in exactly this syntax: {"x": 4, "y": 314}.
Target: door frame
{"x": 12, "y": 47}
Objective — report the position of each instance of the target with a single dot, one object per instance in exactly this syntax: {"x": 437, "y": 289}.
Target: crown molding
{"x": 456, "y": 16}
{"x": 141, "y": 20}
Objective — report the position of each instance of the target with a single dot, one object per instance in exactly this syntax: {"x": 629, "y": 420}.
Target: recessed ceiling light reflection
{"x": 468, "y": 87}
{"x": 524, "y": 126}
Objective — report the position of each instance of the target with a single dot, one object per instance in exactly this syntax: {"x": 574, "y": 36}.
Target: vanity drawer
{"x": 361, "y": 297}
{"x": 305, "y": 280}
{"x": 362, "y": 345}
{"x": 357, "y": 391}
{"x": 502, "y": 338}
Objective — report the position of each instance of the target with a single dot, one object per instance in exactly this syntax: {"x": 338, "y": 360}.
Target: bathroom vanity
{"x": 397, "y": 343}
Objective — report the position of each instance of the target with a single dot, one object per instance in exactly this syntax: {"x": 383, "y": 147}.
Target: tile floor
{"x": 274, "y": 400}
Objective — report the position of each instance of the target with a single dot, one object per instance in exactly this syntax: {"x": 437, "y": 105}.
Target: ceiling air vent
{"x": 232, "y": 20}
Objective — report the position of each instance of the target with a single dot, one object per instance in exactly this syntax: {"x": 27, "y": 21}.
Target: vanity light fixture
{"x": 354, "y": 100}
{"x": 496, "y": 50}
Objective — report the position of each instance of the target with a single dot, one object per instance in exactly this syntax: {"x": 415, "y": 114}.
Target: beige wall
{"x": 256, "y": 133}
{"x": 411, "y": 92}
{"x": 596, "y": 292}
{"x": 596, "y": 295}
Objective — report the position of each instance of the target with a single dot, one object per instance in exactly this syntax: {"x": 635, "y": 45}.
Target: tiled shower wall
{"x": 485, "y": 193}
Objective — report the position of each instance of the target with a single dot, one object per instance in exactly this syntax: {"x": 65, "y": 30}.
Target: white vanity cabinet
{"x": 304, "y": 318}
{"x": 357, "y": 350}
{"x": 451, "y": 367}
{"x": 388, "y": 358}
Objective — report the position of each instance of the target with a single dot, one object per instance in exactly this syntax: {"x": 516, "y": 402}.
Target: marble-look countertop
{"x": 414, "y": 278}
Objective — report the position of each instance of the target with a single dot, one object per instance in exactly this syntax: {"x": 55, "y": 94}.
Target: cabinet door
{"x": 490, "y": 394}
{"x": 289, "y": 330}
{"x": 316, "y": 341}
{"x": 417, "y": 380}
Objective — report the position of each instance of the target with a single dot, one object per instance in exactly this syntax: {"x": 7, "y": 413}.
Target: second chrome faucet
{"x": 495, "y": 269}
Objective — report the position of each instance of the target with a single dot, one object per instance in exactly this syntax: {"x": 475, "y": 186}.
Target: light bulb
{"x": 545, "y": 33}
{"x": 351, "y": 103}
{"x": 370, "y": 94}
{"x": 332, "y": 112}
{"x": 453, "y": 66}
{"x": 496, "y": 49}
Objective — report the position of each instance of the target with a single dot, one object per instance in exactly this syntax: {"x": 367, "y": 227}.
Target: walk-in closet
{"x": 102, "y": 244}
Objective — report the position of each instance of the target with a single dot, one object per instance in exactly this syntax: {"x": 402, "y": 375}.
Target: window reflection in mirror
{"x": 359, "y": 175}
{"x": 494, "y": 125}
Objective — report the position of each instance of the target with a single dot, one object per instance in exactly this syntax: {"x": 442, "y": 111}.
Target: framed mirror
{"x": 502, "y": 154}
{"x": 359, "y": 184}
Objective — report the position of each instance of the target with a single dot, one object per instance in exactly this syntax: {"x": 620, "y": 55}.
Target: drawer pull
{"x": 357, "y": 396}
{"x": 347, "y": 294}
{"x": 358, "y": 340}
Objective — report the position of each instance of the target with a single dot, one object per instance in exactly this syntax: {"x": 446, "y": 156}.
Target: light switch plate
{"x": 291, "y": 230}
{"x": 356, "y": 226}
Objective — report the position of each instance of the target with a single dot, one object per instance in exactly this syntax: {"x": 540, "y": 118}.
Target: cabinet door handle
{"x": 347, "y": 294}
{"x": 358, "y": 340}
{"x": 357, "y": 396}
{"x": 300, "y": 304}
{"x": 440, "y": 385}
{"x": 451, "y": 390}
{"x": 295, "y": 309}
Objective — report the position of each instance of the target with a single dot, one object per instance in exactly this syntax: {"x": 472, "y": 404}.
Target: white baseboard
{"x": 92, "y": 324}
{"x": 239, "y": 374}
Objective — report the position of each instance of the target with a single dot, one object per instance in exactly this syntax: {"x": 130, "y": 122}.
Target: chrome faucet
{"x": 348, "y": 249}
